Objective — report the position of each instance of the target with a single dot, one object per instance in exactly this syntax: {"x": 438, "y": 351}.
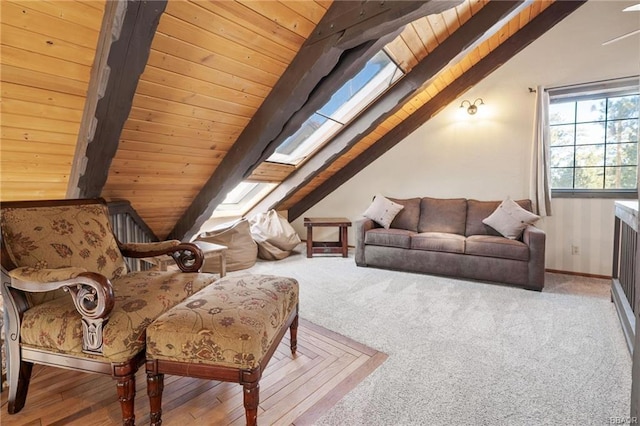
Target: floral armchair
{"x": 70, "y": 300}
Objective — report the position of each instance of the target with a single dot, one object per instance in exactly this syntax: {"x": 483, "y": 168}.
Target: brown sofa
{"x": 447, "y": 237}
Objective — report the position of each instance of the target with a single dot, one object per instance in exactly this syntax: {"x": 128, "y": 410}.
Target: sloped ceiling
{"x": 190, "y": 97}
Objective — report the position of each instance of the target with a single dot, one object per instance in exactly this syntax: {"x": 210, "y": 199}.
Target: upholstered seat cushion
{"x": 491, "y": 246}
{"x": 391, "y": 237}
{"x": 140, "y": 297}
{"x": 231, "y": 323}
{"x": 438, "y": 241}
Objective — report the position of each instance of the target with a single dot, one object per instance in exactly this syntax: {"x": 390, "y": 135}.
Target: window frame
{"x": 592, "y": 91}
{"x": 250, "y": 196}
{"x": 351, "y": 108}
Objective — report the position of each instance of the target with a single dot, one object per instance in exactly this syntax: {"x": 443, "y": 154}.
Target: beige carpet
{"x": 292, "y": 390}
{"x": 469, "y": 353}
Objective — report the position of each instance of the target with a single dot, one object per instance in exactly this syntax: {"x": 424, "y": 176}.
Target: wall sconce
{"x": 472, "y": 108}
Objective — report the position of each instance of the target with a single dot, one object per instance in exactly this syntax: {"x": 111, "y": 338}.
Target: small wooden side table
{"x": 339, "y": 247}
{"x": 209, "y": 250}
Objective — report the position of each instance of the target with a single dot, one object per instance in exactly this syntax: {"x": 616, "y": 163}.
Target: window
{"x": 242, "y": 198}
{"x": 593, "y": 137}
{"x": 378, "y": 74}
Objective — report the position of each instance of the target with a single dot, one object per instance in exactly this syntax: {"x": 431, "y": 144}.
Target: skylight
{"x": 242, "y": 197}
{"x": 355, "y": 95}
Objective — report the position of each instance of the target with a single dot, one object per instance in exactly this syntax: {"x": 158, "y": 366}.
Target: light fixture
{"x": 472, "y": 107}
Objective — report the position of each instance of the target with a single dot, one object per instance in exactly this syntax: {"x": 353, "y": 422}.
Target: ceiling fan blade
{"x": 613, "y": 40}
{"x": 634, "y": 8}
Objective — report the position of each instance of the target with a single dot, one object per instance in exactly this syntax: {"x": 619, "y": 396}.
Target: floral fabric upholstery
{"x": 62, "y": 236}
{"x": 230, "y": 323}
{"x": 27, "y": 273}
{"x": 140, "y": 297}
{"x": 160, "y": 245}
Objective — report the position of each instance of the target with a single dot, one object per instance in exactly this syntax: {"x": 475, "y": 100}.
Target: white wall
{"x": 487, "y": 156}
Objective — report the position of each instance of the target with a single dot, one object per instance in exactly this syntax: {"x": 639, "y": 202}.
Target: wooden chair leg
{"x": 155, "y": 386}
{"x": 293, "y": 332}
{"x": 19, "y": 377}
{"x": 126, "y": 386}
{"x": 251, "y": 401}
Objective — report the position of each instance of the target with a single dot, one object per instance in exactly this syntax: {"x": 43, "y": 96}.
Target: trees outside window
{"x": 594, "y": 141}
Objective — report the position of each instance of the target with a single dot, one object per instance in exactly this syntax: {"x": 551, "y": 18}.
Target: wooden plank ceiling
{"x": 47, "y": 50}
{"x": 211, "y": 67}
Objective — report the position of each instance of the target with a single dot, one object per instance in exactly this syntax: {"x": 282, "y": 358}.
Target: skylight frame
{"x": 244, "y": 196}
{"x": 379, "y": 83}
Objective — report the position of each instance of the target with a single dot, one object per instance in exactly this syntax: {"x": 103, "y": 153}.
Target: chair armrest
{"x": 37, "y": 277}
{"x": 187, "y": 256}
{"x": 92, "y": 295}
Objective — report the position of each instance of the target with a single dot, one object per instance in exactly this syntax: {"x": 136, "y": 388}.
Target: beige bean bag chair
{"x": 275, "y": 236}
{"x": 242, "y": 250}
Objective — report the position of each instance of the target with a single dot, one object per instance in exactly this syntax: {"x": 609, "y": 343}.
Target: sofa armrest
{"x": 187, "y": 256}
{"x": 361, "y": 228}
{"x": 92, "y": 295}
{"x": 535, "y": 238}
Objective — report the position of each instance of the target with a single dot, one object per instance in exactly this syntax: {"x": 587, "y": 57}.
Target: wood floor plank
{"x": 348, "y": 383}
{"x": 329, "y": 382}
{"x": 293, "y": 390}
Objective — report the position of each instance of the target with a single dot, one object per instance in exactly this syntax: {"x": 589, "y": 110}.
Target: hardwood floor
{"x": 292, "y": 390}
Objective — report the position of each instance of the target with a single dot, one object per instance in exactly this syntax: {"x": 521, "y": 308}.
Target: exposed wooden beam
{"x": 317, "y": 57}
{"x": 477, "y": 29}
{"x": 548, "y": 18}
{"x": 127, "y": 58}
{"x": 110, "y": 29}
{"x": 362, "y": 21}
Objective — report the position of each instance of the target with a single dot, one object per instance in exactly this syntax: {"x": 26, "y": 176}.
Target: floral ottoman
{"x": 227, "y": 331}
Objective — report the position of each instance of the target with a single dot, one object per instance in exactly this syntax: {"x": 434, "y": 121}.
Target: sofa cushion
{"x": 492, "y": 246}
{"x": 389, "y": 237}
{"x": 509, "y": 219}
{"x": 477, "y": 211}
{"x": 438, "y": 241}
{"x": 382, "y": 211}
{"x": 140, "y": 297}
{"x": 443, "y": 215}
{"x": 408, "y": 216}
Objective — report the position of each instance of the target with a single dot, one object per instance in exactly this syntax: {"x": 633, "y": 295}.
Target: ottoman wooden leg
{"x": 155, "y": 386}
{"x": 251, "y": 401}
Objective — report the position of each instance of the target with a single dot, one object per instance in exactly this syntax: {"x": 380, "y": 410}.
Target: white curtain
{"x": 540, "y": 192}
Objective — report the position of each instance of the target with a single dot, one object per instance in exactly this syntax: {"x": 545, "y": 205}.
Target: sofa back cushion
{"x": 479, "y": 210}
{"x": 443, "y": 215}
{"x": 409, "y": 216}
